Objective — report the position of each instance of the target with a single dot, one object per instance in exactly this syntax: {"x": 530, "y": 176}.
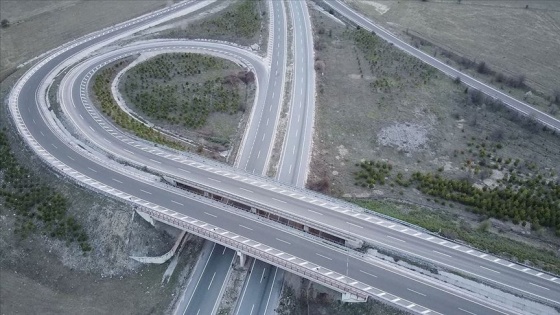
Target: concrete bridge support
{"x": 347, "y": 297}
{"x": 165, "y": 257}
{"x": 242, "y": 259}
{"x": 146, "y": 217}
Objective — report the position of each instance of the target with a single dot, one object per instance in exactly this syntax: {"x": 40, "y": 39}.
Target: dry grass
{"x": 38, "y": 26}
{"x": 417, "y": 124}
{"x": 510, "y": 38}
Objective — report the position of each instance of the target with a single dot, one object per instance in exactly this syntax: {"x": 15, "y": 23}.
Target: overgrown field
{"x": 37, "y": 26}
{"x": 241, "y": 23}
{"x": 203, "y": 94}
{"x": 102, "y": 94}
{"x": 510, "y": 44}
{"x": 39, "y": 208}
{"x": 391, "y": 128}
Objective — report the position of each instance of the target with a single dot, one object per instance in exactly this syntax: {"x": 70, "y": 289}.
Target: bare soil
{"x": 38, "y": 26}
{"x": 420, "y": 123}
{"x": 507, "y": 36}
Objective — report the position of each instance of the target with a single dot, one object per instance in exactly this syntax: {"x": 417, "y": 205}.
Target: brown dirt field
{"x": 38, "y": 26}
{"x": 509, "y": 38}
{"x": 415, "y": 124}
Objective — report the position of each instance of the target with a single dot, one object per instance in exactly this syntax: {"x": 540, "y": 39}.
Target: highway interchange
{"x": 303, "y": 204}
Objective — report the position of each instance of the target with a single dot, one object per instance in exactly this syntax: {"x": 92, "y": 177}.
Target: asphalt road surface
{"x": 210, "y": 283}
{"x": 435, "y": 299}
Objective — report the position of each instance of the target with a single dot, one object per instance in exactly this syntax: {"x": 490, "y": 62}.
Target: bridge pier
{"x": 163, "y": 258}
{"x": 352, "y": 298}
{"x": 242, "y": 258}
{"x": 146, "y": 217}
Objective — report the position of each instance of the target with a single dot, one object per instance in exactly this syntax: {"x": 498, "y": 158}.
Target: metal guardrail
{"x": 252, "y": 251}
{"x": 261, "y": 206}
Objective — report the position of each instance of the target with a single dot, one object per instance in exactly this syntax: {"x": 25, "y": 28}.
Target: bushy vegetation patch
{"x": 163, "y": 88}
{"x": 103, "y": 95}
{"x": 519, "y": 197}
{"x": 392, "y": 71}
{"x": 38, "y": 207}
{"x": 188, "y": 92}
{"x": 242, "y": 21}
{"x": 447, "y": 226}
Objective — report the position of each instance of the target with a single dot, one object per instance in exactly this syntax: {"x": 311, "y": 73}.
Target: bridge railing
{"x": 261, "y": 206}
{"x": 211, "y": 234}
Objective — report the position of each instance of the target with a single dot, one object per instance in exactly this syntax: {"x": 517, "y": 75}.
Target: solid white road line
{"x": 212, "y": 280}
{"x": 323, "y": 256}
{"x": 396, "y": 239}
{"x": 435, "y": 251}
{"x": 540, "y": 286}
{"x": 177, "y": 202}
{"x": 283, "y": 241}
{"x": 361, "y": 227}
{"x": 319, "y": 213}
{"x": 467, "y": 311}
{"x": 369, "y": 274}
{"x": 489, "y": 269}
{"x": 422, "y": 294}
{"x": 282, "y": 201}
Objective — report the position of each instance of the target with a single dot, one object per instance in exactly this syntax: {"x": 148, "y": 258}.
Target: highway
{"x": 253, "y": 188}
{"x": 296, "y": 152}
{"x": 254, "y": 153}
{"x": 343, "y": 9}
{"x": 210, "y": 283}
{"x": 192, "y": 207}
{"x": 305, "y": 204}
{"x": 296, "y": 149}
{"x": 258, "y": 142}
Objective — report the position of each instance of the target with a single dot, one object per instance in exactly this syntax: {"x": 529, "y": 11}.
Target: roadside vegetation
{"x": 38, "y": 207}
{"x": 453, "y": 227}
{"x": 398, "y": 137}
{"x": 507, "y": 44}
{"x": 518, "y": 197}
{"x": 242, "y": 23}
{"x": 102, "y": 92}
{"x": 307, "y": 300}
{"x": 205, "y": 95}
